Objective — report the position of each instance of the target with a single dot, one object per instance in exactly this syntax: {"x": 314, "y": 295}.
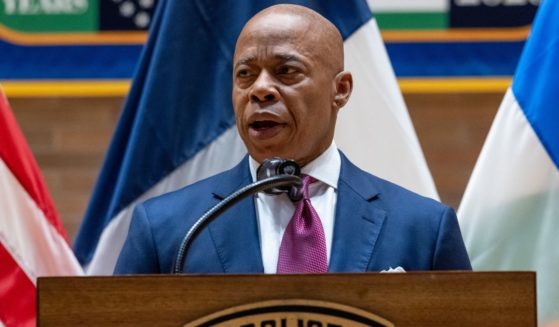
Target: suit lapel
{"x": 358, "y": 220}
{"x": 235, "y": 233}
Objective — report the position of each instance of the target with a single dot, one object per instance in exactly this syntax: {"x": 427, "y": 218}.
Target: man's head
{"x": 289, "y": 83}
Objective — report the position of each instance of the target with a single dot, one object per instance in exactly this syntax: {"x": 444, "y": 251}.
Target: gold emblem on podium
{"x": 291, "y": 313}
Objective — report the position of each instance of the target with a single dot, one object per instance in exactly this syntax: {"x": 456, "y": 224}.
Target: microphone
{"x": 276, "y": 176}
{"x": 277, "y": 166}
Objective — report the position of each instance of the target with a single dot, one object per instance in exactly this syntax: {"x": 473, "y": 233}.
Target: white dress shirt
{"x": 275, "y": 211}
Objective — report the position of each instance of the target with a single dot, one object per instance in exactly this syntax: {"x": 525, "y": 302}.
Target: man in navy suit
{"x": 288, "y": 86}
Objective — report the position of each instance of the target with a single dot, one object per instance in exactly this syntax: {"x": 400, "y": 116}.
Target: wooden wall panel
{"x": 452, "y": 129}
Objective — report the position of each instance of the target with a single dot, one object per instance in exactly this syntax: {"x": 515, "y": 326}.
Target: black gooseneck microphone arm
{"x": 210, "y": 215}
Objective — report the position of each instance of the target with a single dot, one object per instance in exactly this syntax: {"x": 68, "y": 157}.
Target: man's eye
{"x": 243, "y": 73}
{"x": 286, "y": 70}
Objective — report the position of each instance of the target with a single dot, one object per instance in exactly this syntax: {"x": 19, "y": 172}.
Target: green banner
{"x": 46, "y": 16}
{"x": 412, "y": 20}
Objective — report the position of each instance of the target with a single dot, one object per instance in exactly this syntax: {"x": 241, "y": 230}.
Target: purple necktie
{"x": 303, "y": 246}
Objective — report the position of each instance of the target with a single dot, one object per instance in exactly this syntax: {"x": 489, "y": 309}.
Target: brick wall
{"x": 451, "y": 129}
{"x": 69, "y": 137}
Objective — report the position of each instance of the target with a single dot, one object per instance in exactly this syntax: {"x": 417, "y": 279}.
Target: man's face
{"x": 283, "y": 90}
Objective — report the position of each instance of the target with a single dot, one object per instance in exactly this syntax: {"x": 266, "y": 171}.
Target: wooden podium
{"x": 404, "y": 299}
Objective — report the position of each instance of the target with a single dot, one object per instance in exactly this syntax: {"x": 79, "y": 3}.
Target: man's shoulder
{"x": 160, "y": 223}
{"x": 417, "y": 233}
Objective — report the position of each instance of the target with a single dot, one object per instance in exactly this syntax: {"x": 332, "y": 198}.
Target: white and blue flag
{"x": 509, "y": 214}
{"x": 177, "y": 125}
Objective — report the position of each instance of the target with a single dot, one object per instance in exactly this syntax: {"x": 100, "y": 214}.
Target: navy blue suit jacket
{"x": 378, "y": 225}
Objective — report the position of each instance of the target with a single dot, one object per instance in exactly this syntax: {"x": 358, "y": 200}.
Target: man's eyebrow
{"x": 245, "y": 61}
{"x": 287, "y": 57}
{"x": 280, "y": 56}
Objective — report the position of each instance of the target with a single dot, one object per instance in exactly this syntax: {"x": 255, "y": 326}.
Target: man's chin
{"x": 261, "y": 155}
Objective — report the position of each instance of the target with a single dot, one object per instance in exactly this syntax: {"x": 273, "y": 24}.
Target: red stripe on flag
{"x": 17, "y": 293}
{"x": 15, "y": 152}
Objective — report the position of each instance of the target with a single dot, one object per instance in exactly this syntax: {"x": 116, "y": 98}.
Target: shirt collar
{"x": 325, "y": 168}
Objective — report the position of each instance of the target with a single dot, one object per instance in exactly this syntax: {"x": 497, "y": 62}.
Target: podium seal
{"x": 291, "y": 313}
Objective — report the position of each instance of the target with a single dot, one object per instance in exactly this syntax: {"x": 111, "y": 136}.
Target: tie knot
{"x": 307, "y": 180}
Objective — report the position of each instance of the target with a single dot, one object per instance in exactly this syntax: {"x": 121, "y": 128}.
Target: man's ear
{"x": 344, "y": 86}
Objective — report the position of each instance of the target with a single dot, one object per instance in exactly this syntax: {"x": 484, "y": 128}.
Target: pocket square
{"x": 394, "y": 270}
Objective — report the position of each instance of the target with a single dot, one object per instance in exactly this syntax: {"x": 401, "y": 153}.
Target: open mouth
{"x": 264, "y": 124}
{"x": 265, "y": 129}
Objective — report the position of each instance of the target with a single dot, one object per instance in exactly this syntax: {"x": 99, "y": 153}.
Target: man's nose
{"x": 264, "y": 88}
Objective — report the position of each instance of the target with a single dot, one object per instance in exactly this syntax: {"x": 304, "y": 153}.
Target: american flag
{"x": 33, "y": 242}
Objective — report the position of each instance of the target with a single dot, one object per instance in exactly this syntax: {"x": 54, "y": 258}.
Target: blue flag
{"x": 510, "y": 211}
{"x": 178, "y": 126}
{"x": 536, "y": 81}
